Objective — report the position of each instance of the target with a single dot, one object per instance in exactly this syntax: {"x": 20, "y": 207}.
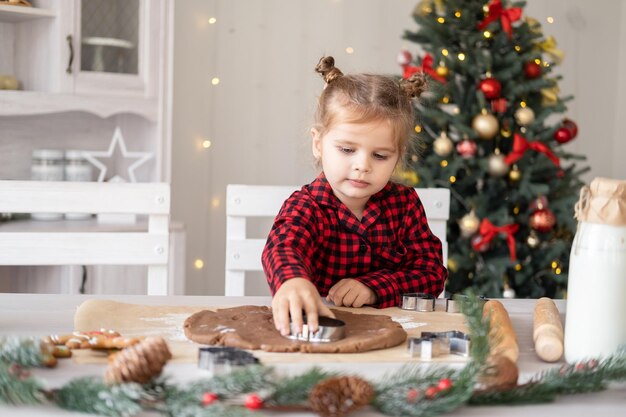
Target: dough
{"x": 252, "y": 327}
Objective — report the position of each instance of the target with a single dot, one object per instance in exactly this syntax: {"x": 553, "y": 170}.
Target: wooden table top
{"x": 42, "y": 314}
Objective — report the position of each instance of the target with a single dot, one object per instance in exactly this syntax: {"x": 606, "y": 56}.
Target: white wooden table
{"x": 39, "y": 315}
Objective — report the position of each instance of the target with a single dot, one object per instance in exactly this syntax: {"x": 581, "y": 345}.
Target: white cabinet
{"x": 85, "y": 68}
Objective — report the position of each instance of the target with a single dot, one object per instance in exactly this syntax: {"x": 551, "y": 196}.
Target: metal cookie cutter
{"x": 418, "y": 301}
{"x": 453, "y": 305}
{"x": 221, "y": 359}
{"x": 433, "y": 344}
{"x": 459, "y": 341}
{"x": 328, "y": 330}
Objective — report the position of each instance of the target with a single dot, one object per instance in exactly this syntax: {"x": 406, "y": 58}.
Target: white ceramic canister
{"x": 47, "y": 165}
{"x": 77, "y": 168}
{"x": 595, "y": 324}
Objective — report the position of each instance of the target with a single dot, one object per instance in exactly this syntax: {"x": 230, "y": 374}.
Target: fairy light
{"x": 518, "y": 267}
{"x": 457, "y": 14}
{"x": 215, "y": 81}
{"x": 198, "y": 264}
{"x": 546, "y": 64}
{"x": 441, "y": 20}
{"x": 557, "y": 271}
{"x": 461, "y": 56}
{"x": 522, "y": 104}
{"x": 518, "y": 48}
{"x": 444, "y": 163}
{"x": 537, "y": 61}
{"x": 414, "y": 158}
{"x": 452, "y": 179}
{"x": 445, "y": 99}
{"x": 215, "y": 202}
{"x": 349, "y": 50}
{"x": 212, "y": 20}
{"x": 444, "y": 52}
{"x": 206, "y": 144}
{"x": 516, "y": 210}
{"x": 550, "y": 19}
{"x": 555, "y": 264}
{"x": 418, "y": 129}
{"x": 487, "y": 34}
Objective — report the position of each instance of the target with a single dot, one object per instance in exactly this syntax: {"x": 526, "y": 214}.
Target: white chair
{"x": 243, "y": 254}
{"x": 34, "y": 246}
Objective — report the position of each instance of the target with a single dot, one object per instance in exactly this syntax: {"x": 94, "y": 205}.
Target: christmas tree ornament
{"x": 467, "y": 148}
{"x": 542, "y": 220}
{"x": 548, "y": 46}
{"x": 469, "y": 223}
{"x": 339, "y": 396}
{"x": 497, "y": 165}
{"x": 538, "y": 203}
{"x": 479, "y": 245}
{"x": 532, "y": 70}
{"x": 253, "y": 402}
{"x": 490, "y": 87}
{"x": 521, "y": 145}
{"x": 508, "y": 292}
{"x": 532, "y": 240}
{"x": 499, "y": 105}
{"x": 486, "y": 125}
{"x": 506, "y": 132}
{"x": 495, "y": 11}
{"x": 515, "y": 174}
{"x": 570, "y": 125}
{"x": 524, "y": 116}
{"x": 404, "y": 58}
{"x": 138, "y": 363}
{"x": 487, "y": 231}
{"x": 563, "y": 135}
{"x": 443, "y": 145}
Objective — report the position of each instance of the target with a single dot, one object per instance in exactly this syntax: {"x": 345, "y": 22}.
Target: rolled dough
{"x": 252, "y": 327}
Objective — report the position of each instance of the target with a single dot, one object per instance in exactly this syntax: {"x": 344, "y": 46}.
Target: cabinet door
{"x": 116, "y": 47}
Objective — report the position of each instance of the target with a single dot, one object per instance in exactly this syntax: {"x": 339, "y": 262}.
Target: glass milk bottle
{"x": 77, "y": 169}
{"x": 47, "y": 165}
{"x": 595, "y": 323}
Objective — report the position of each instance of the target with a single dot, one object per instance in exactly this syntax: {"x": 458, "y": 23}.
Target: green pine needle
{"x": 92, "y": 395}
{"x": 22, "y": 351}
{"x": 17, "y": 388}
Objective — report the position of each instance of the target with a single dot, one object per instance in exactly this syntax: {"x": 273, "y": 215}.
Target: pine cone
{"x": 138, "y": 363}
{"x": 338, "y": 396}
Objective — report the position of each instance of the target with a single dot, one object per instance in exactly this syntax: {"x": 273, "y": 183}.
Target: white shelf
{"x": 28, "y": 103}
{"x": 12, "y": 14}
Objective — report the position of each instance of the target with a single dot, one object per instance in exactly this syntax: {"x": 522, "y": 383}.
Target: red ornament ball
{"x": 542, "y": 220}
{"x": 538, "y": 203}
{"x": 253, "y": 402}
{"x": 444, "y": 384}
{"x": 404, "y": 58}
{"x": 466, "y": 148}
{"x": 209, "y": 398}
{"x": 532, "y": 70}
{"x": 490, "y": 87}
{"x": 563, "y": 135}
{"x": 570, "y": 125}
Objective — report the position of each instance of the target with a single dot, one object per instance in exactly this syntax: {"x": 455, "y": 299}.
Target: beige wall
{"x": 258, "y": 116}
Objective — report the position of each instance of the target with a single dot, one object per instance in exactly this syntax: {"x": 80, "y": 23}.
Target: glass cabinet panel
{"x": 110, "y": 36}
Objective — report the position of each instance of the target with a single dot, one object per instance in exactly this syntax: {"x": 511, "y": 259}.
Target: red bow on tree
{"x": 507, "y": 16}
{"x": 488, "y": 231}
{"x": 426, "y": 67}
{"x": 521, "y": 145}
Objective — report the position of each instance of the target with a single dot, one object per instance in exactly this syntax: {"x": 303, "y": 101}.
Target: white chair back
{"x": 243, "y": 254}
{"x": 37, "y": 247}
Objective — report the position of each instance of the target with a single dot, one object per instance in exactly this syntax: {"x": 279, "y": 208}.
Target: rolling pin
{"x": 547, "y": 330}
{"x": 502, "y": 337}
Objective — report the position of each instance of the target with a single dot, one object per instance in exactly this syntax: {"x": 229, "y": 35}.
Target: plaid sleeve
{"x": 420, "y": 268}
{"x": 290, "y": 243}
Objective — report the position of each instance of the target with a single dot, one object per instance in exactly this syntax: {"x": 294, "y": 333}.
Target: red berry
{"x": 444, "y": 384}
{"x": 412, "y": 395}
{"x": 209, "y": 398}
{"x": 431, "y": 392}
{"x": 253, "y": 402}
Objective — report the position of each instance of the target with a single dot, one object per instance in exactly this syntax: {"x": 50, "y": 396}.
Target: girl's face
{"x": 358, "y": 160}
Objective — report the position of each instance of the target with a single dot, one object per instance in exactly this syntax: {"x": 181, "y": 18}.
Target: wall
{"x": 257, "y": 117}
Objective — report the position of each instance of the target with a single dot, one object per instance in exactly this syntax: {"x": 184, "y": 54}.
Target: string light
{"x": 457, "y": 14}
{"x": 555, "y": 264}
{"x": 518, "y": 267}
{"x": 518, "y": 48}
{"x": 487, "y": 34}
{"x": 452, "y": 179}
{"x": 215, "y": 202}
{"x": 349, "y": 50}
{"x": 212, "y": 20}
{"x": 441, "y": 20}
{"x": 444, "y": 52}
{"x": 444, "y": 163}
{"x": 550, "y": 19}
{"x": 537, "y": 61}
{"x": 418, "y": 129}
{"x": 198, "y": 264}
{"x": 516, "y": 210}
{"x": 522, "y": 104}
{"x": 414, "y": 158}
{"x": 445, "y": 99}
{"x": 206, "y": 144}
{"x": 461, "y": 56}
{"x": 215, "y": 81}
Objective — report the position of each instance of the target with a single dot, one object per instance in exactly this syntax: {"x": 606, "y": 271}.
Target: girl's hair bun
{"x": 326, "y": 67}
{"x": 415, "y": 85}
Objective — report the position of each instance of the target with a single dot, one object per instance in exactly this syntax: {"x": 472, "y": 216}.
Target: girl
{"x": 352, "y": 235}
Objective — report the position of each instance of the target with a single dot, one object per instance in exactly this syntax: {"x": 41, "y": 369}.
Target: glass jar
{"x": 596, "y": 291}
{"x": 77, "y": 169}
{"x": 47, "y": 165}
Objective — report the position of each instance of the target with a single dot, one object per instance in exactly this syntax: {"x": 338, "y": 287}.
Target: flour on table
{"x": 407, "y": 322}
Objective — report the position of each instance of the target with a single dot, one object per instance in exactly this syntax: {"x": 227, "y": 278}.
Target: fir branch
{"x": 17, "y": 387}
{"x": 295, "y": 390}
{"x": 22, "y": 351}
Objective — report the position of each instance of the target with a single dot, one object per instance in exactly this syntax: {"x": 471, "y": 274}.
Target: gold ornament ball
{"x": 486, "y": 125}
{"x": 469, "y": 224}
{"x": 497, "y": 165}
{"x": 515, "y": 174}
{"x": 524, "y": 116}
{"x": 443, "y": 145}
{"x": 442, "y": 71}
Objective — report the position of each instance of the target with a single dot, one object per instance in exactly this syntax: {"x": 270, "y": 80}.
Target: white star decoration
{"x": 118, "y": 139}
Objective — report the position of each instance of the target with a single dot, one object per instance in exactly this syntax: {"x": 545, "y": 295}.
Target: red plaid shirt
{"x": 391, "y": 250}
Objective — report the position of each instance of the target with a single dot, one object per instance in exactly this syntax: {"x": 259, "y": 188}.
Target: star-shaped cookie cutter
{"x": 433, "y": 344}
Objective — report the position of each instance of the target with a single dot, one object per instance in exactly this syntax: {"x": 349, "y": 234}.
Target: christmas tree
{"x": 491, "y": 130}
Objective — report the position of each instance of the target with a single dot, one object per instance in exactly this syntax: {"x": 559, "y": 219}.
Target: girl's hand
{"x": 351, "y": 293}
{"x": 292, "y": 298}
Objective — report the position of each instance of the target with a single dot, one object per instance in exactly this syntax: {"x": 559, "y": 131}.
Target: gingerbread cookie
{"x": 252, "y": 327}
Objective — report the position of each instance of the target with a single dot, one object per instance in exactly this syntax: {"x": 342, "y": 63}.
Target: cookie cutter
{"x": 453, "y": 305}
{"x": 222, "y": 359}
{"x": 328, "y": 330}
{"x": 418, "y": 301}
{"x": 432, "y": 344}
